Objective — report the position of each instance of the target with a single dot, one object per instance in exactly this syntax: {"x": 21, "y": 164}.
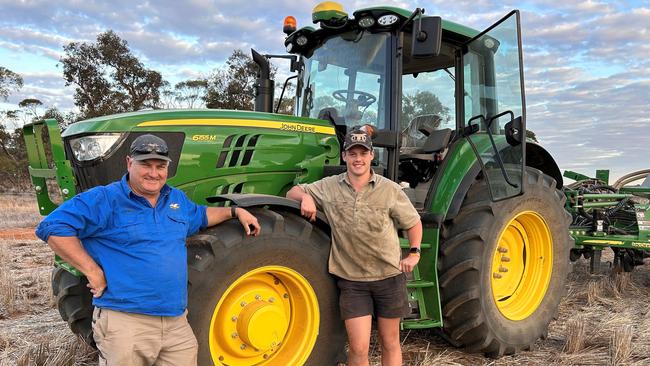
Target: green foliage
{"x": 422, "y": 103}
{"x": 9, "y": 81}
{"x": 108, "y": 78}
{"x": 232, "y": 86}
{"x": 185, "y": 94}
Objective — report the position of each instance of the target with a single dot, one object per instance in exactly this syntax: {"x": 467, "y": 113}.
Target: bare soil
{"x": 603, "y": 320}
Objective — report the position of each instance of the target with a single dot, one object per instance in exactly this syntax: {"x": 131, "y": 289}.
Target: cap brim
{"x": 150, "y": 156}
{"x": 358, "y": 144}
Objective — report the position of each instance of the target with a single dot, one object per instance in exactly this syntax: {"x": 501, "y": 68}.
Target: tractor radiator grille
{"x": 239, "y": 154}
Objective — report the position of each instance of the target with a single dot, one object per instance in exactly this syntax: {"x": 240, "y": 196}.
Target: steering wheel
{"x": 364, "y": 99}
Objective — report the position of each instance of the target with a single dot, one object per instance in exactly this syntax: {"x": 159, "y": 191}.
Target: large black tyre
{"x": 75, "y": 302}
{"x": 230, "y": 273}
{"x": 509, "y": 241}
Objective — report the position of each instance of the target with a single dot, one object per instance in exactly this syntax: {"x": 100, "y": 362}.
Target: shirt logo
{"x": 174, "y": 206}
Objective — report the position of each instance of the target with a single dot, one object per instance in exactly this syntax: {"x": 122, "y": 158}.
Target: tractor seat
{"x": 436, "y": 141}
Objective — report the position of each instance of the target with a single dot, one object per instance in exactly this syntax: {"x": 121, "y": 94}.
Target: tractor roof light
{"x": 301, "y": 41}
{"x": 290, "y": 25}
{"x": 388, "y": 19}
{"x": 329, "y": 14}
{"x": 366, "y": 22}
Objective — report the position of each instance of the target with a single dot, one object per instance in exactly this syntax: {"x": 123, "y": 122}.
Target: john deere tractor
{"x": 447, "y": 106}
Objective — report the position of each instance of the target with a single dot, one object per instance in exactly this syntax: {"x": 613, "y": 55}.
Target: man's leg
{"x": 355, "y": 303}
{"x": 179, "y": 345}
{"x": 391, "y": 304}
{"x": 126, "y": 339}
{"x": 359, "y": 339}
{"x": 391, "y": 350}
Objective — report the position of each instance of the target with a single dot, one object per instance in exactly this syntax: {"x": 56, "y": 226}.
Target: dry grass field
{"x": 603, "y": 320}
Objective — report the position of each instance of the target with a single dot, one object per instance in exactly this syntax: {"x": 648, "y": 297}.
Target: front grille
{"x": 243, "y": 144}
{"x": 112, "y": 167}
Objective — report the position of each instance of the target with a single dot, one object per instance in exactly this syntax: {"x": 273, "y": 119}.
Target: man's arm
{"x": 415, "y": 239}
{"x": 307, "y": 203}
{"x": 217, "y": 215}
{"x": 72, "y": 251}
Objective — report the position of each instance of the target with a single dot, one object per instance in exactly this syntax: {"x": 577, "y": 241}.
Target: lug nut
{"x": 271, "y": 299}
{"x": 286, "y": 296}
{"x": 243, "y": 303}
{"x": 234, "y": 318}
{"x": 496, "y": 275}
{"x": 505, "y": 259}
{"x": 242, "y": 347}
{"x": 503, "y": 269}
{"x": 502, "y": 250}
{"x": 234, "y": 335}
{"x": 258, "y": 297}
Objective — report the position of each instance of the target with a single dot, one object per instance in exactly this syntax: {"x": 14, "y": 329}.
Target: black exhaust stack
{"x": 264, "y": 87}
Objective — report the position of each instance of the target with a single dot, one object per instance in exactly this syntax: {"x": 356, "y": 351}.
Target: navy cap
{"x": 149, "y": 147}
{"x": 357, "y": 137}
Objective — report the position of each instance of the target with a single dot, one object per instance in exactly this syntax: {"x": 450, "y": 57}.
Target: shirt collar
{"x": 343, "y": 177}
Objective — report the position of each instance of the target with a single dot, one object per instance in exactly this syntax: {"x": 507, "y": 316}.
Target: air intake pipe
{"x": 264, "y": 86}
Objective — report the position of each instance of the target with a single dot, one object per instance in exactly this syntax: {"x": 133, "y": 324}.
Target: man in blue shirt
{"x": 128, "y": 239}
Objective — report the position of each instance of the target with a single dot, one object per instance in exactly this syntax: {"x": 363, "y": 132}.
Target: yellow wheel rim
{"x": 267, "y": 316}
{"x": 522, "y": 265}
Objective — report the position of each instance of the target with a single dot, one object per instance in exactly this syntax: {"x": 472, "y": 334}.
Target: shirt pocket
{"x": 375, "y": 219}
{"x": 130, "y": 227}
{"x": 341, "y": 214}
{"x": 176, "y": 226}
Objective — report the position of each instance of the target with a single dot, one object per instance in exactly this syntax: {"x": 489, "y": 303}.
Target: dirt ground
{"x": 603, "y": 320}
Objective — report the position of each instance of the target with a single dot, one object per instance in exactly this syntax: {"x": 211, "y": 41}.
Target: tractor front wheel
{"x": 504, "y": 265}
{"x": 266, "y": 300}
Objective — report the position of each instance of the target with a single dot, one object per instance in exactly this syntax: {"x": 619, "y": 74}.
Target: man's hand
{"x": 308, "y": 207}
{"x": 96, "y": 283}
{"x": 407, "y": 264}
{"x": 248, "y": 221}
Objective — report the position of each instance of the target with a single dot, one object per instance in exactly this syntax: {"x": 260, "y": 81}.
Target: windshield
{"x": 345, "y": 78}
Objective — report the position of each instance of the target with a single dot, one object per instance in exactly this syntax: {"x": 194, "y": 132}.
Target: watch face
{"x": 414, "y": 250}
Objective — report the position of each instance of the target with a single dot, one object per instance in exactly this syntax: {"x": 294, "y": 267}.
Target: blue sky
{"x": 587, "y": 63}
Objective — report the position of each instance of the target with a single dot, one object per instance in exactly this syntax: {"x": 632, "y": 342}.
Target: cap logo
{"x": 358, "y": 137}
{"x": 174, "y": 206}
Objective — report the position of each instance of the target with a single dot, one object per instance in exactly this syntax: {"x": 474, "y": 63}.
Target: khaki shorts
{"x": 137, "y": 339}
{"x": 385, "y": 298}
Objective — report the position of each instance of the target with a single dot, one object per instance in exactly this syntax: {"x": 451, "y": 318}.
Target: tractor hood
{"x": 213, "y": 151}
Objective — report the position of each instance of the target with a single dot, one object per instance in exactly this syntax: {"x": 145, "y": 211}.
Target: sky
{"x": 587, "y": 63}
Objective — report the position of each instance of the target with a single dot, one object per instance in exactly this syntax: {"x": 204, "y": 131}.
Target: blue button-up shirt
{"x": 140, "y": 248}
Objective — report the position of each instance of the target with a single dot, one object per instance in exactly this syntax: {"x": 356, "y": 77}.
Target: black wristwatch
{"x": 233, "y": 211}
{"x": 414, "y": 251}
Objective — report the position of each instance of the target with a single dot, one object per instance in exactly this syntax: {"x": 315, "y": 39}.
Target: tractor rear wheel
{"x": 504, "y": 265}
{"x": 266, "y": 300}
{"x": 75, "y": 302}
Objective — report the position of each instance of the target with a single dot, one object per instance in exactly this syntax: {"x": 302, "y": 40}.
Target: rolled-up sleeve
{"x": 196, "y": 215}
{"x": 403, "y": 211}
{"x": 80, "y": 216}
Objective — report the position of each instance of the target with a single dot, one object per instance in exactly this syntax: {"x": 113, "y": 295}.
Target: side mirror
{"x": 514, "y": 132}
{"x": 427, "y": 37}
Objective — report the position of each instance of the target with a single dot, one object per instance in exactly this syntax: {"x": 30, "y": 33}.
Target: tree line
{"x": 108, "y": 79}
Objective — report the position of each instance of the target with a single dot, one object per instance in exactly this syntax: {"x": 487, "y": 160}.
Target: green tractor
{"x": 447, "y": 106}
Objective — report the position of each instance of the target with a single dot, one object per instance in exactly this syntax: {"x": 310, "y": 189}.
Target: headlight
{"x": 92, "y": 147}
{"x": 388, "y": 19}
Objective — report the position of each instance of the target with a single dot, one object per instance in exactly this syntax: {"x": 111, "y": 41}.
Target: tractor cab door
{"x": 494, "y": 104}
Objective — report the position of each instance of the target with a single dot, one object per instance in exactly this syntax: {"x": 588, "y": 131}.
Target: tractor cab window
{"x": 427, "y": 120}
{"x": 343, "y": 81}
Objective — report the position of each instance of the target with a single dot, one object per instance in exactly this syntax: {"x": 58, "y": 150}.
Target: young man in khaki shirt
{"x": 365, "y": 210}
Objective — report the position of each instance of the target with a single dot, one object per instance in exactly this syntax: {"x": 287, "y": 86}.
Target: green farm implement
{"x": 448, "y": 108}
{"x": 615, "y": 216}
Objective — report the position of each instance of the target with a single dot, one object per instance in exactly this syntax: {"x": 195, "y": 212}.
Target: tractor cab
{"x": 423, "y": 83}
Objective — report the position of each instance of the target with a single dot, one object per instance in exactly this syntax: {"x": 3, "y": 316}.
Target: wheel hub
{"x": 262, "y": 325}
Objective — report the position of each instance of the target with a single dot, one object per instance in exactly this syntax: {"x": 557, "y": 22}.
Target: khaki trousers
{"x": 128, "y": 339}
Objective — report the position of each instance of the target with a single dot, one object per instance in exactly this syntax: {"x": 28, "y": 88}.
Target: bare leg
{"x": 391, "y": 350}
{"x": 359, "y": 338}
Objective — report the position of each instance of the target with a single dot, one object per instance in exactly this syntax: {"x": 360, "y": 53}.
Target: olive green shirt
{"x": 365, "y": 244}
